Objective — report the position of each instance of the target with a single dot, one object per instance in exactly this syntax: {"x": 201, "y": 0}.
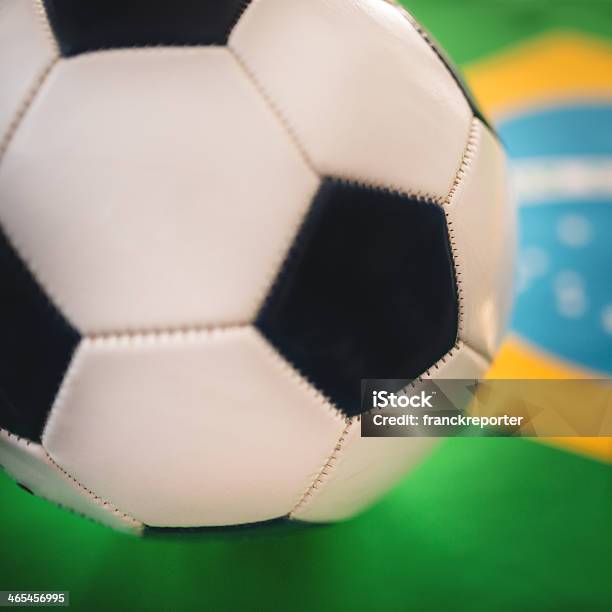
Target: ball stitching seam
{"x": 324, "y": 472}
{"x": 98, "y": 500}
{"x": 465, "y": 163}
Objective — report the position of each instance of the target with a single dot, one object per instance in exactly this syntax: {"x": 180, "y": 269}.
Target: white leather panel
{"x": 364, "y": 94}
{"x": 482, "y": 213}
{"x": 194, "y": 429}
{"x": 166, "y": 191}
{"x": 29, "y": 464}
{"x": 364, "y": 468}
{"x": 26, "y": 50}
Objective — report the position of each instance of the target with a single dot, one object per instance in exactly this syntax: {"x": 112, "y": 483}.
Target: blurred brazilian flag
{"x": 483, "y": 524}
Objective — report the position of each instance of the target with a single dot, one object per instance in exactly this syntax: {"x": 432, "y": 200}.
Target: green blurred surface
{"x": 483, "y": 524}
{"x": 471, "y": 29}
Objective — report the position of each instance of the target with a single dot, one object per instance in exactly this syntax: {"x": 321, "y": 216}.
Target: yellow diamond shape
{"x": 551, "y": 68}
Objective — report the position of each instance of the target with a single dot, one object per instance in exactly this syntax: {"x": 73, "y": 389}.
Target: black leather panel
{"x": 36, "y": 345}
{"x": 274, "y": 527}
{"x": 367, "y": 291}
{"x": 89, "y": 25}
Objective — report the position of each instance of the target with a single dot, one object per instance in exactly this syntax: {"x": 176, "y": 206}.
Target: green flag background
{"x": 483, "y": 524}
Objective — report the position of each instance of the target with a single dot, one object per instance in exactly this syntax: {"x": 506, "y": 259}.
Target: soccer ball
{"x": 217, "y": 218}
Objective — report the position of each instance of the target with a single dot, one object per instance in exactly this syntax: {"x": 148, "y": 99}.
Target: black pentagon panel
{"x": 272, "y": 527}
{"x": 367, "y": 291}
{"x": 89, "y": 25}
{"x": 36, "y": 345}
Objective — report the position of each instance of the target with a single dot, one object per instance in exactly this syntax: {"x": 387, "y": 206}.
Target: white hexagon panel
{"x": 158, "y": 172}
